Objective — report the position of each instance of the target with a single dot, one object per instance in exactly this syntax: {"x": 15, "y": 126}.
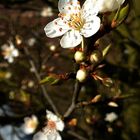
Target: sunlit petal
{"x": 47, "y": 136}
{"x": 56, "y": 28}
{"x": 91, "y": 26}
{"x": 60, "y": 125}
{"x": 90, "y": 7}
{"x": 51, "y": 116}
{"x": 68, "y": 6}
{"x": 71, "y": 39}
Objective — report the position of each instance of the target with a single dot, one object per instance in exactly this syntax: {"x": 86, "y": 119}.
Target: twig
{"x": 45, "y": 94}
{"x": 77, "y": 89}
{"x": 77, "y": 135}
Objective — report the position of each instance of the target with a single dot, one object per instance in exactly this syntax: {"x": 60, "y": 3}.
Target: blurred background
{"x": 22, "y": 25}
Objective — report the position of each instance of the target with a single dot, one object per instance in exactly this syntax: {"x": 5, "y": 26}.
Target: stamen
{"x": 76, "y": 21}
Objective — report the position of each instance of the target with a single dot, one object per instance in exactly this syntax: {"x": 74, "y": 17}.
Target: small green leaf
{"x": 55, "y": 82}
{"x": 121, "y": 14}
{"x": 105, "y": 50}
{"x": 50, "y": 80}
{"x": 47, "y": 79}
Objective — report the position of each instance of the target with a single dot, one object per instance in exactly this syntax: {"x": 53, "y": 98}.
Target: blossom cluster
{"x": 76, "y": 22}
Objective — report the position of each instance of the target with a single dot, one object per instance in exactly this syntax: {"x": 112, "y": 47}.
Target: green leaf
{"x": 121, "y": 14}
{"x": 105, "y": 50}
{"x": 50, "y": 80}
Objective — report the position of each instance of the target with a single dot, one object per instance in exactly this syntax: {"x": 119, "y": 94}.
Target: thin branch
{"x": 77, "y": 89}
{"x": 45, "y": 94}
{"x": 79, "y": 137}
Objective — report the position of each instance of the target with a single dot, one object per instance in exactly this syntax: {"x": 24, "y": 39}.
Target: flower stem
{"x": 82, "y": 44}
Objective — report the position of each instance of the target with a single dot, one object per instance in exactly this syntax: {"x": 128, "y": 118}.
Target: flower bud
{"x": 96, "y": 56}
{"x": 79, "y": 56}
{"x": 110, "y": 5}
{"x": 81, "y": 75}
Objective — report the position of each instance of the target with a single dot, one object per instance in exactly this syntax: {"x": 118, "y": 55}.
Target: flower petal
{"x": 10, "y": 59}
{"x": 68, "y": 6}
{"x": 60, "y": 125}
{"x": 56, "y": 28}
{"x": 40, "y": 136}
{"x": 90, "y": 7}
{"x": 54, "y": 136}
{"x": 71, "y": 39}
{"x": 91, "y": 26}
{"x": 15, "y": 53}
{"x": 51, "y": 116}
{"x": 47, "y": 136}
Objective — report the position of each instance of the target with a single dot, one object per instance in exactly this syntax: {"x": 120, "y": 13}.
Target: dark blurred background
{"x": 23, "y": 22}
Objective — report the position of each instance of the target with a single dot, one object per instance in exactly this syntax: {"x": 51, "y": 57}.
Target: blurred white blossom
{"x": 52, "y": 48}
{"x": 46, "y": 12}
{"x": 50, "y": 131}
{"x": 108, "y": 5}
{"x": 74, "y": 22}
{"x": 110, "y": 117}
{"x": 8, "y": 75}
{"x": 9, "y": 52}
{"x": 31, "y": 41}
{"x": 30, "y": 124}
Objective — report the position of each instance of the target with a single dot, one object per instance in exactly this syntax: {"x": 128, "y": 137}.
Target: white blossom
{"x": 50, "y": 131}
{"x": 31, "y": 41}
{"x": 74, "y": 22}
{"x": 9, "y": 52}
{"x": 30, "y": 124}
{"x": 108, "y": 5}
{"x": 46, "y": 12}
{"x": 110, "y": 117}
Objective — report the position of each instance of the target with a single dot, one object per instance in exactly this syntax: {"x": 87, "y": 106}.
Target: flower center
{"x": 76, "y": 21}
{"x": 7, "y": 52}
{"x": 51, "y": 124}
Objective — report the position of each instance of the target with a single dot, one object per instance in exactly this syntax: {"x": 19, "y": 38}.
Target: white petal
{"x": 10, "y": 59}
{"x": 15, "y": 53}
{"x": 91, "y": 26}
{"x": 54, "y": 136}
{"x": 51, "y": 116}
{"x": 56, "y": 28}
{"x": 90, "y": 7}
{"x": 60, "y": 125}
{"x": 68, "y": 6}
{"x": 4, "y": 47}
{"x": 11, "y": 45}
{"x": 42, "y": 136}
{"x": 71, "y": 39}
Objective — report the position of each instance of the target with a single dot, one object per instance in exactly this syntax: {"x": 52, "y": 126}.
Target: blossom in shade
{"x": 50, "y": 131}
{"x": 110, "y": 117}
{"x": 74, "y": 22}
{"x": 9, "y": 52}
{"x": 46, "y": 12}
{"x": 30, "y": 124}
